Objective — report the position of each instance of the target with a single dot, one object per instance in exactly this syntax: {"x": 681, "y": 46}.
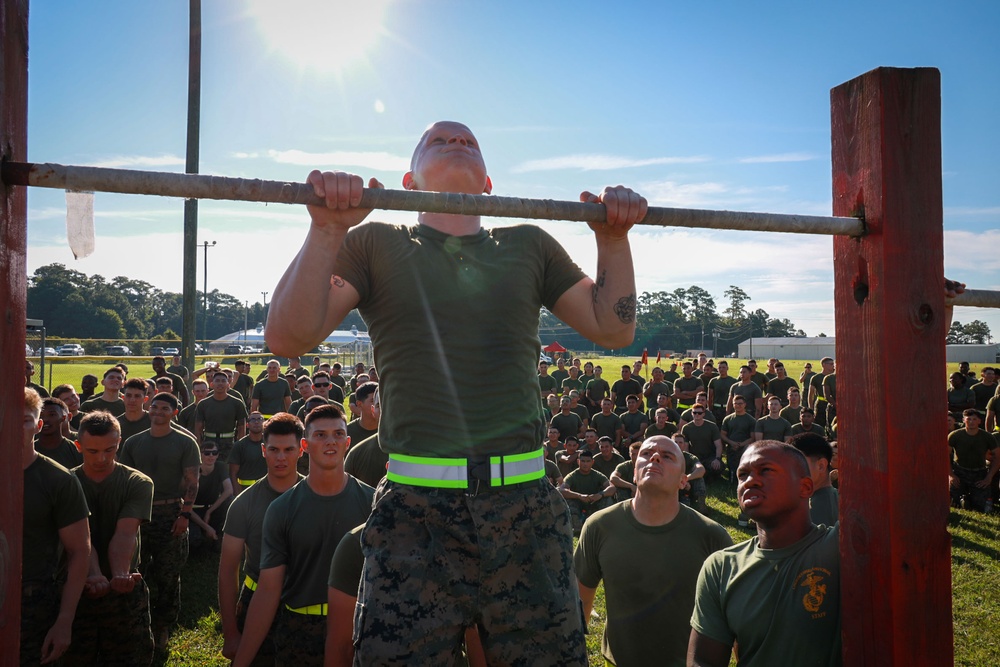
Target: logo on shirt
{"x": 813, "y": 581}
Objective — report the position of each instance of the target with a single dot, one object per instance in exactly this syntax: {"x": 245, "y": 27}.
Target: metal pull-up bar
{"x": 200, "y": 186}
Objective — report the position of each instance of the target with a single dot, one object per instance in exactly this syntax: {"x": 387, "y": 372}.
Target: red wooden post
{"x": 889, "y": 296}
{"x": 13, "y": 292}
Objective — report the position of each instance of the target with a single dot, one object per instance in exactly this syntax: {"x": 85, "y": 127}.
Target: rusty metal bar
{"x": 193, "y": 186}
{"x": 977, "y": 298}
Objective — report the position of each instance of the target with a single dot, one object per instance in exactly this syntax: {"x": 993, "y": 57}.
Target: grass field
{"x": 975, "y": 559}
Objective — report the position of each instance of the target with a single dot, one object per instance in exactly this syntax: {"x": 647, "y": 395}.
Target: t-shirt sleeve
{"x": 71, "y": 505}
{"x": 708, "y": 617}
{"x": 585, "y": 559}
{"x": 192, "y": 454}
{"x": 274, "y": 545}
{"x": 138, "y": 498}
{"x": 347, "y": 563}
{"x": 560, "y": 273}
{"x": 354, "y": 259}
{"x": 236, "y": 517}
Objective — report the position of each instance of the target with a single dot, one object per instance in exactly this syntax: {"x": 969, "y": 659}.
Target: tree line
{"x": 684, "y": 319}
{"x": 77, "y": 306}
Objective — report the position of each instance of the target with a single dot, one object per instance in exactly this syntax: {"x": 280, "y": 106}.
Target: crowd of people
{"x": 434, "y": 525}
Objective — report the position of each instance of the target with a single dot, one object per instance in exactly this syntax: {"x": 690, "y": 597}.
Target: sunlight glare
{"x": 326, "y": 36}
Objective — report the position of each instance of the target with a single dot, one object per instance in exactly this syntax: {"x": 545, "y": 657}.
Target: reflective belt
{"x": 250, "y": 583}
{"x": 681, "y": 406}
{"x": 447, "y": 473}
{"x": 246, "y": 482}
{"x": 231, "y": 434}
{"x": 311, "y": 610}
{"x": 820, "y": 398}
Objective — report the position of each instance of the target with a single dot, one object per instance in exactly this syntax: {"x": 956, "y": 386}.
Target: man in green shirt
{"x": 586, "y": 491}
{"x": 607, "y": 423}
{"x": 243, "y": 384}
{"x": 648, "y": 609}
{"x": 792, "y": 411}
{"x": 241, "y": 542}
{"x": 749, "y": 390}
{"x": 304, "y": 385}
{"x": 970, "y": 477}
{"x": 560, "y": 374}
{"x": 567, "y": 421}
{"x": 608, "y": 459}
{"x": 777, "y": 595}
{"x": 634, "y": 423}
{"x": 705, "y": 441}
{"x": 571, "y": 383}
{"x": 546, "y": 383}
{"x": 780, "y": 384}
{"x": 597, "y": 390}
{"x": 50, "y": 440}
{"x": 55, "y": 531}
{"x": 661, "y": 425}
{"x": 773, "y": 427}
{"x": 179, "y": 388}
{"x": 656, "y": 387}
{"x": 247, "y": 462}
{"x": 221, "y": 417}
{"x": 737, "y": 432}
{"x": 110, "y": 399}
{"x": 272, "y": 394}
{"x": 623, "y": 388}
{"x": 718, "y": 391}
{"x": 623, "y": 476}
{"x": 807, "y": 424}
{"x": 824, "y": 504}
{"x": 112, "y": 621}
{"x": 816, "y": 399}
{"x": 295, "y": 556}
{"x": 368, "y": 407}
{"x": 686, "y": 388}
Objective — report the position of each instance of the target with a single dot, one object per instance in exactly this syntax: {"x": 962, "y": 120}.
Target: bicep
{"x": 703, "y": 651}
{"x": 576, "y": 307}
{"x": 342, "y": 299}
{"x": 75, "y": 537}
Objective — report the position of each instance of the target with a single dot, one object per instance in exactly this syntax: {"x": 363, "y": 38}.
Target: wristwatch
{"x": 186, "y": 515}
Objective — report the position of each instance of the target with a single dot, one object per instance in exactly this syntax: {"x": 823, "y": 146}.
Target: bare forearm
{"x": 78, "y": 562}
{"x": 121, "y": 548}
{"x": 614, "y": 289}
{"x": 189, "y": 486}
{"x": 298, "y": 313}
{"x": 587, "y": 597}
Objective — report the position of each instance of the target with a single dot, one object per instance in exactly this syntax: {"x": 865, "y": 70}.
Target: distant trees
{"x": 684, "y": 319}
{"x": 74, "y": 305}
{"x": 975, "y": 332}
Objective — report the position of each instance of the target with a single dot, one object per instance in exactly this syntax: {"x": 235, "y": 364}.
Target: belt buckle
{"x": 478, "y": 471}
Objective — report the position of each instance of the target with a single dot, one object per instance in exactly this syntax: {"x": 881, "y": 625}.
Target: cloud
{"x": 599, "y": 162}
{"x": 779, "y": 157}
{"x": 971, "y": 251}
{"x": 242, "y": 155}
{"x": 378, "y": 160}
{"x": 119, "y": 161}
{"x": 972, "y": 211}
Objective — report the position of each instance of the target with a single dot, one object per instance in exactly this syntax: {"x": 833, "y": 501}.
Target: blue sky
{"x": 705, "y": 105}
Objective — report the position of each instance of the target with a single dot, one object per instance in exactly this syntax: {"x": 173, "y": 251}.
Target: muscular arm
{"x": 241, "y": 429}
{"x": 75, "y": 540}
{"x": 260, "y": 615}
{"x": 189, "y": 491}
{"x": 229, "y": 572}
{"x": 706, "y": 652}
{"x": 339, "y": 629}
{"x": 121, "y": 548}
{"x": 621, "y": 482}
{"x": 234, "y": 469}
{"x": 587, "y": 597}
{"x": 254, "y": 404}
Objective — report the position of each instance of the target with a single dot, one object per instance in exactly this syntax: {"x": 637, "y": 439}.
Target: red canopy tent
{"x": 554, "y": 346}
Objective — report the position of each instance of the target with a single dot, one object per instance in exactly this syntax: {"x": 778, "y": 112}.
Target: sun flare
{"x": 326, "y": 36}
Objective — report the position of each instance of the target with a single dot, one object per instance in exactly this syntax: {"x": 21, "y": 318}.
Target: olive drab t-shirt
{"x": 53, "y": 499}
{"x": 163, "y": 458}
{"x": 248, "y": 456}
{"x": 463, "y": 295}
{"x": 245, "y": 521}
{"x": 587, "y": 484}
{"x": 124, "y": 494}
{"x": 271, "y": 395}
{"x": 65, "y": 453}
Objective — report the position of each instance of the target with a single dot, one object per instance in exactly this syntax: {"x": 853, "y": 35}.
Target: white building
{"x": 807, "y": 348}
{"x": 974, "y": 354}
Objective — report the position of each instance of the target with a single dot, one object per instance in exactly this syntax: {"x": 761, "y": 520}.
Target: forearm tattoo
{"x": 599, "y": 283}
{"x": 625, "y": 309}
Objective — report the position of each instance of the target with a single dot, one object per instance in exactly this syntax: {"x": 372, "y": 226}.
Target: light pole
{"x": 265, "y": 307}
{"x": 204, "y": 323}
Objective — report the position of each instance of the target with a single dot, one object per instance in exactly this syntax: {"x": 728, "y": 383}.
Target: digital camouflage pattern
{"x": 112, "y": 631}
{"x": 163, "y": 557}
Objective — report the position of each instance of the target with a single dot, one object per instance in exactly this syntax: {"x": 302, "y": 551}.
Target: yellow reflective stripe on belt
{"x": 246, "y": 482}
{"x": 517, "y": 468}
{"x": 250, "y": 583}
{"x": 311, "y": 610}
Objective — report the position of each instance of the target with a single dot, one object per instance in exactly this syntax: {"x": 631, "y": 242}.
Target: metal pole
{"x": 265, "y": 308}
{"x": 977, "y": 298}
{"x": 217, "y": 187}
{"x": 204, "y": 294}
{"x": 189, "y": 283}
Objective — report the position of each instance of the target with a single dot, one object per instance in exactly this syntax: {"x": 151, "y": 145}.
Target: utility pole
{"x": 190, "y": 261}
{"x": 204, "y": 294}
{"x": 265, "y": 307}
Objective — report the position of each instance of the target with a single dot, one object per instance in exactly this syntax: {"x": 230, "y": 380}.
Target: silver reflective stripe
{"x": 452, "y": 475}
{"x": 503, "y": 473}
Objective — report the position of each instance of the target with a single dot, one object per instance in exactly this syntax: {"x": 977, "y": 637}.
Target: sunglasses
{"x": 699, "y": 412}
{"x": 210, "y": 452}
{"x": 321, "y": 385}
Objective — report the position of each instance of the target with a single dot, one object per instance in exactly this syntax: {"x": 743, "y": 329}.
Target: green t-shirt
{"x": 185, "y": 417}
{"x": 569, "y": 384}
{"x": 626, "y": 470}
{"x": 781, "y": 605}
{"x": 598, "y": 389}
{"x": 568, "y": 424}
{"x": 606, "y": 425}
{"x": 125, "y": 494}
{"x": 739, "y": 427}
{"x": 760, "y": 380}
{"x": 248, "y": 457}
{"x": 750, "y": 391}
{"x": 655, "y": 389}
{"x": 221, "y": 416}
{"x": 559, "y": 376}
{"x": 348, "y": 563}
{"x": 565, "y": 467}
{"x": 701, "y": 439}
{"x": 634, "y": 423}
{"x": 367, "y": 461}
{"x": 244, "y": 387}
{"x": 959, "y": 399}
{"x": 824, "y": 506}
{"x": 830, "y": 387}
{"x": 245, "y": 521}
{"x": 622, "y": 389}
{"x": 358, "y": 433}
{"x": 65, "y": 453}
{"x": 271, "y": 395}
{"x": 984, "y": 392}
{"x": 302, "y": 530}
{"x": 607, "y": 466}
{"x": 53, "y": 500}
{"x": 163, "y": 458}
{"x": 719, "y": 388}
{"x": 815, "y": 428}
{"x": 592, "y": 482}
{"x": 780, "y": 388}
{"x": 470, "y": 293}
{"x": 648, "y": 611}
{"x": 668, "y": 430}
{"x": 773, "y": 429}
{"x": 116, "y": 408}
{"x": 552, "y": 472}
{"x": 689, "y": 417}
{"x": 816, "y": 382}
{"x": 792, "y": 415}
{"x": 130, "y": 428}
{"x": 547, "y": 383}
{"x": 970, "y": 450}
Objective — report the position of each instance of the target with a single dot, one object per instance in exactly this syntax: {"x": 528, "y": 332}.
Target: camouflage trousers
{"x": 39, "y": 608}
{"x": 112, "y": 630}
{"x": 438, "y": 561}
{"x": 163, "y": 558}
{"x": 299, "y": 639}
{"x": 580, "y": 511}
{"x": 265, "y": 654}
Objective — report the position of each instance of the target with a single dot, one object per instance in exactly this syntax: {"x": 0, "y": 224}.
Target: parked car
{"x": 199, "y": 349}
{"x": 118, "y": 351}
{"x": 70, "y": 350}
{"x": 234, "y": 349}
{"x": 49, "y": 352}
{"x": 156, "y": 351}
{"x": 171, "y": 351}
